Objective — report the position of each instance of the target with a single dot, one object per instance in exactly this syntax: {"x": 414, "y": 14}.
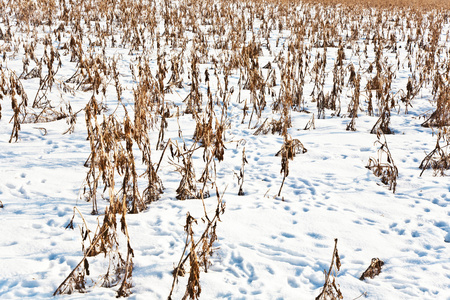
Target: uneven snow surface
{"x": 269, "y": 246}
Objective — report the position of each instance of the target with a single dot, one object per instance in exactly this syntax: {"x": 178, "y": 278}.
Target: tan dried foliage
{"x": 330, "y": 290}
{"x": 373, "y": 270}
{"x": 383, "y": 165}
{"x": 204, "y": 40}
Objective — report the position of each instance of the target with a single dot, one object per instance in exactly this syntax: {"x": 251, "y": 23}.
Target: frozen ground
{"x": 268, "y": 247}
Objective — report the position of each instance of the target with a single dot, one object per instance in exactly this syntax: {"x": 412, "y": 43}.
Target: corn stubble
{"x": 330, "y": 290}
{"x": 439, "y": 158}
{"x": 203, "y": 40}
{"x": 200, "y": 251}
{"x": 373, "y": 270}
{"x": 383, "y": 165}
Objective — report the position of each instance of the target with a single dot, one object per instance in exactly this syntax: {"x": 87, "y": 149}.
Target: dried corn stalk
{"x": 386, "y": 170}
{"x": 373, "y": 270}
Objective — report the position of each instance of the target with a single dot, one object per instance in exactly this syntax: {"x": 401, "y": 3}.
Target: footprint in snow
{"x": 288, "y": 235}
{"x": 446, "y": 228}
{"x": 293, "y": 283}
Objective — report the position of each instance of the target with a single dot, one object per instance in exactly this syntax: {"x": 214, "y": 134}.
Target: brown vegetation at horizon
{"x": 382, "y": 43}
{"x": 413, "y": 4}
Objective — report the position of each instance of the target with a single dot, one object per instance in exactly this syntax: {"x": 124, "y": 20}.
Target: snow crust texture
{"x": 277, "y": 127}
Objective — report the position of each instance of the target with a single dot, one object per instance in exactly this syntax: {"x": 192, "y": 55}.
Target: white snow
{"x": 269, "y": 246}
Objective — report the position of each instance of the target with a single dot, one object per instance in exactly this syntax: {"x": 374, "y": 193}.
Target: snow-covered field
{"x": 271, "y": 244}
